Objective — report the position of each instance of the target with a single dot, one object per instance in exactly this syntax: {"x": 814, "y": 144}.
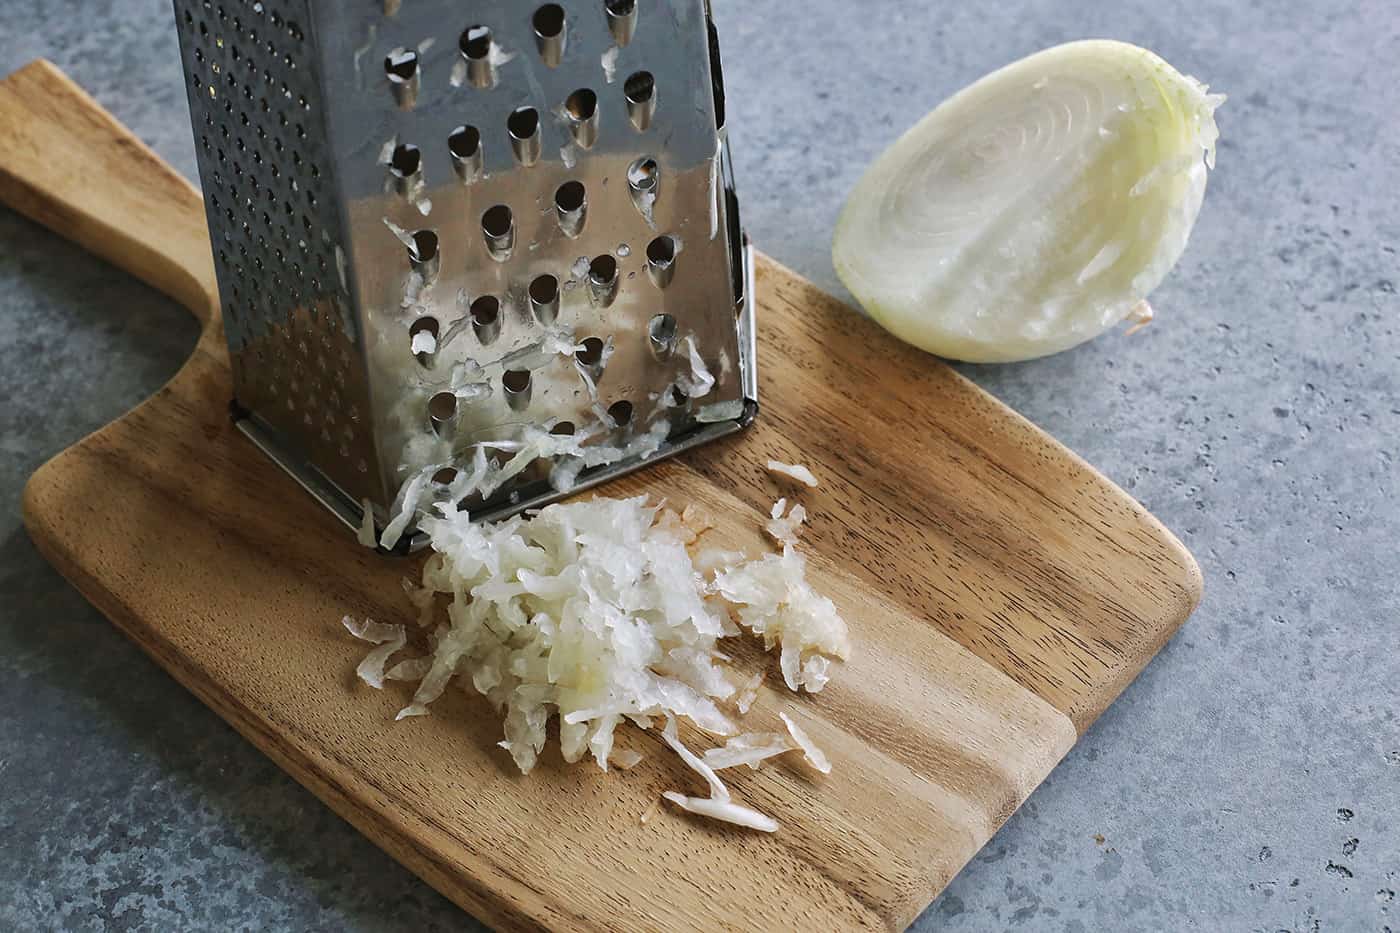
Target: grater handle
{"x": 68, "y": 164}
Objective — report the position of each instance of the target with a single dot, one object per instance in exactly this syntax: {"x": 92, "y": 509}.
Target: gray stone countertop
{"x": 1248, "y": 780}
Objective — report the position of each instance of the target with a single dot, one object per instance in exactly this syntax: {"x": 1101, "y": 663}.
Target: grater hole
{"x": 485, "y": 313}
{"x": 498, "y": 225}
{"x": 582, "y": 104}
{"x": 581, "y": 108}
{"x": 442, "y": 407}
{"x": 475, "y": 43}
{"x": 405, "y": 163}
{"x": 602, "y": 280}
{"x": 661, "y": 335}
{"x": 661, "y": 260}
{"x": 423, "y": 253}
{"x": 621, "y": 413}
{"x": 562, "y": 429}
{"x": 424, "y": 247}
{"x": 643, "y": 179}
{"x": 590, "y": 352}
{"x": 570, "y": 207}
{"x": 445, "y": 476}
{"x": 523, "y": 124}
{"x": 642, "y": 174}
{"x": 516, "y": 383}
{"x": 405, "y": 160}
{"x": 603, "y": 270}
{"x": 485, "y": 310}
{"x": 464, "y": 145}
{"x": 640, "y": 91}
{"x": 548, "y": 24}
{"x": 544, "y": 299}
{"x": 401, "y": 67}
{"x": 549, "y": 21}
{"x": 622, "y": 19}
{"x": 424, "y": 325}
{"x": 464, "y": 142}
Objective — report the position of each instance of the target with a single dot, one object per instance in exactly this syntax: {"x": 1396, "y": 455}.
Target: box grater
{"x": 479, "y": 251}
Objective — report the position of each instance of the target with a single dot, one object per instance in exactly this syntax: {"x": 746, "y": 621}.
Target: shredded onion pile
{"x": 595, "y": 612}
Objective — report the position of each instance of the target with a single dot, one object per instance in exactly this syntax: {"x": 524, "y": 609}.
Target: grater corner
{"x": 482, "y": 253}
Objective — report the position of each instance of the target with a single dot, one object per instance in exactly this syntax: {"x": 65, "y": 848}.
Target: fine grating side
{"x": 444, "y": 230}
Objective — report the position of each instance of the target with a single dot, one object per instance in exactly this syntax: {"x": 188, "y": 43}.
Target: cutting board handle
{"x": 70, "y": 165}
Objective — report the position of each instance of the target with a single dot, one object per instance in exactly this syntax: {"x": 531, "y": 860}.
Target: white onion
{"x": 593, "y": 611}
{"x": 783, "y": 528}
{"x": 725, "y": 810}
{"x": 772, "y": 598}
{"x": 794, "y": 471}
{"x": 747, "y": 749}
{"x": 389, "y": 638}
{"x": 815, "y": 757}
{"x": 1034, "y": 209}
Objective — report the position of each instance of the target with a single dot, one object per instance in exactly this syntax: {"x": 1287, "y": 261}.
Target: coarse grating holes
{"x": 661, "y": 335}
{"x": 485, "y": 313}
{"x": 445, "y": 476}
{"x": 516, "y": 383}
{"x": 464, "y": 145}
{"x": 423, "y": 254}
{"x": 571, "y": 207}
{"x": 405, "y": 170}
{"x": 475, "y": 45}
{"x": 498, "y": 227}
{"x": 423, "y": 346}
{"x": 523, "y": 124}
{"x": 442, "y": 409}
{"x": 661, "y": 260}
{"x": 622, "y": 19}
{"x": 544, "y": 299}
{"x": 401, "y": 68}
{"x": 581, "y": 107}
{"x": 643, "y": 181}
{"x": 602, "y": 280}
{"x": 562, "y": 429}
{"x": 640, "y": 91}
{"x": 589, "y": 355}
{"x": 548, "y": 23}
{"x": 621, "y": 413}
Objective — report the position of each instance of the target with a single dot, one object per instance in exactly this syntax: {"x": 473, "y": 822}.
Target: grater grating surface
{"x": 444, "y": 229}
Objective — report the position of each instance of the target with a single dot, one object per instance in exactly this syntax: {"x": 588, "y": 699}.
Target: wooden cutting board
{"x": 999, "y": 591}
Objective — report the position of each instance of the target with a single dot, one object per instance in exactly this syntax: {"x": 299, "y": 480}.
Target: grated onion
{"x": 794, "y": 471}
{"x": 772, "y": 598}
{"x": 366, "y": 532}
{"x": 594, "y": 612}
{"x": 389, "y": 638}
{"x": 725, "y": 810}
{"x": 814, "y": 755}
{"x": 783, "y": 528}
{"x": 747, "y": 749}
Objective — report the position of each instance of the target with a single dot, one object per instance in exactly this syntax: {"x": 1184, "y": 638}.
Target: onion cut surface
{"x": 1034, "y": 209}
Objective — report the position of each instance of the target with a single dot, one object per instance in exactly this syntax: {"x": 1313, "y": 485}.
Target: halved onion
{"x": 1034, "y": 209}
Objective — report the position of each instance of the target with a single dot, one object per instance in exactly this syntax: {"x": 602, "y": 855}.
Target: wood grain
{"x": 1000, "y": 594}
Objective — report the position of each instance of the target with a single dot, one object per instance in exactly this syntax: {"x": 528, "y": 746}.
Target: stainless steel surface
{"x": 439, "y": 198}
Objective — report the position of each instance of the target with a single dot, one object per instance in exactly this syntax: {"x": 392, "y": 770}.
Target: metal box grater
{"x": 443, "y": 229}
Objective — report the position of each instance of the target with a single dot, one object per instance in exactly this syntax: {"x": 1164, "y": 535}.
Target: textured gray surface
{"x": 1249, "y": 780}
